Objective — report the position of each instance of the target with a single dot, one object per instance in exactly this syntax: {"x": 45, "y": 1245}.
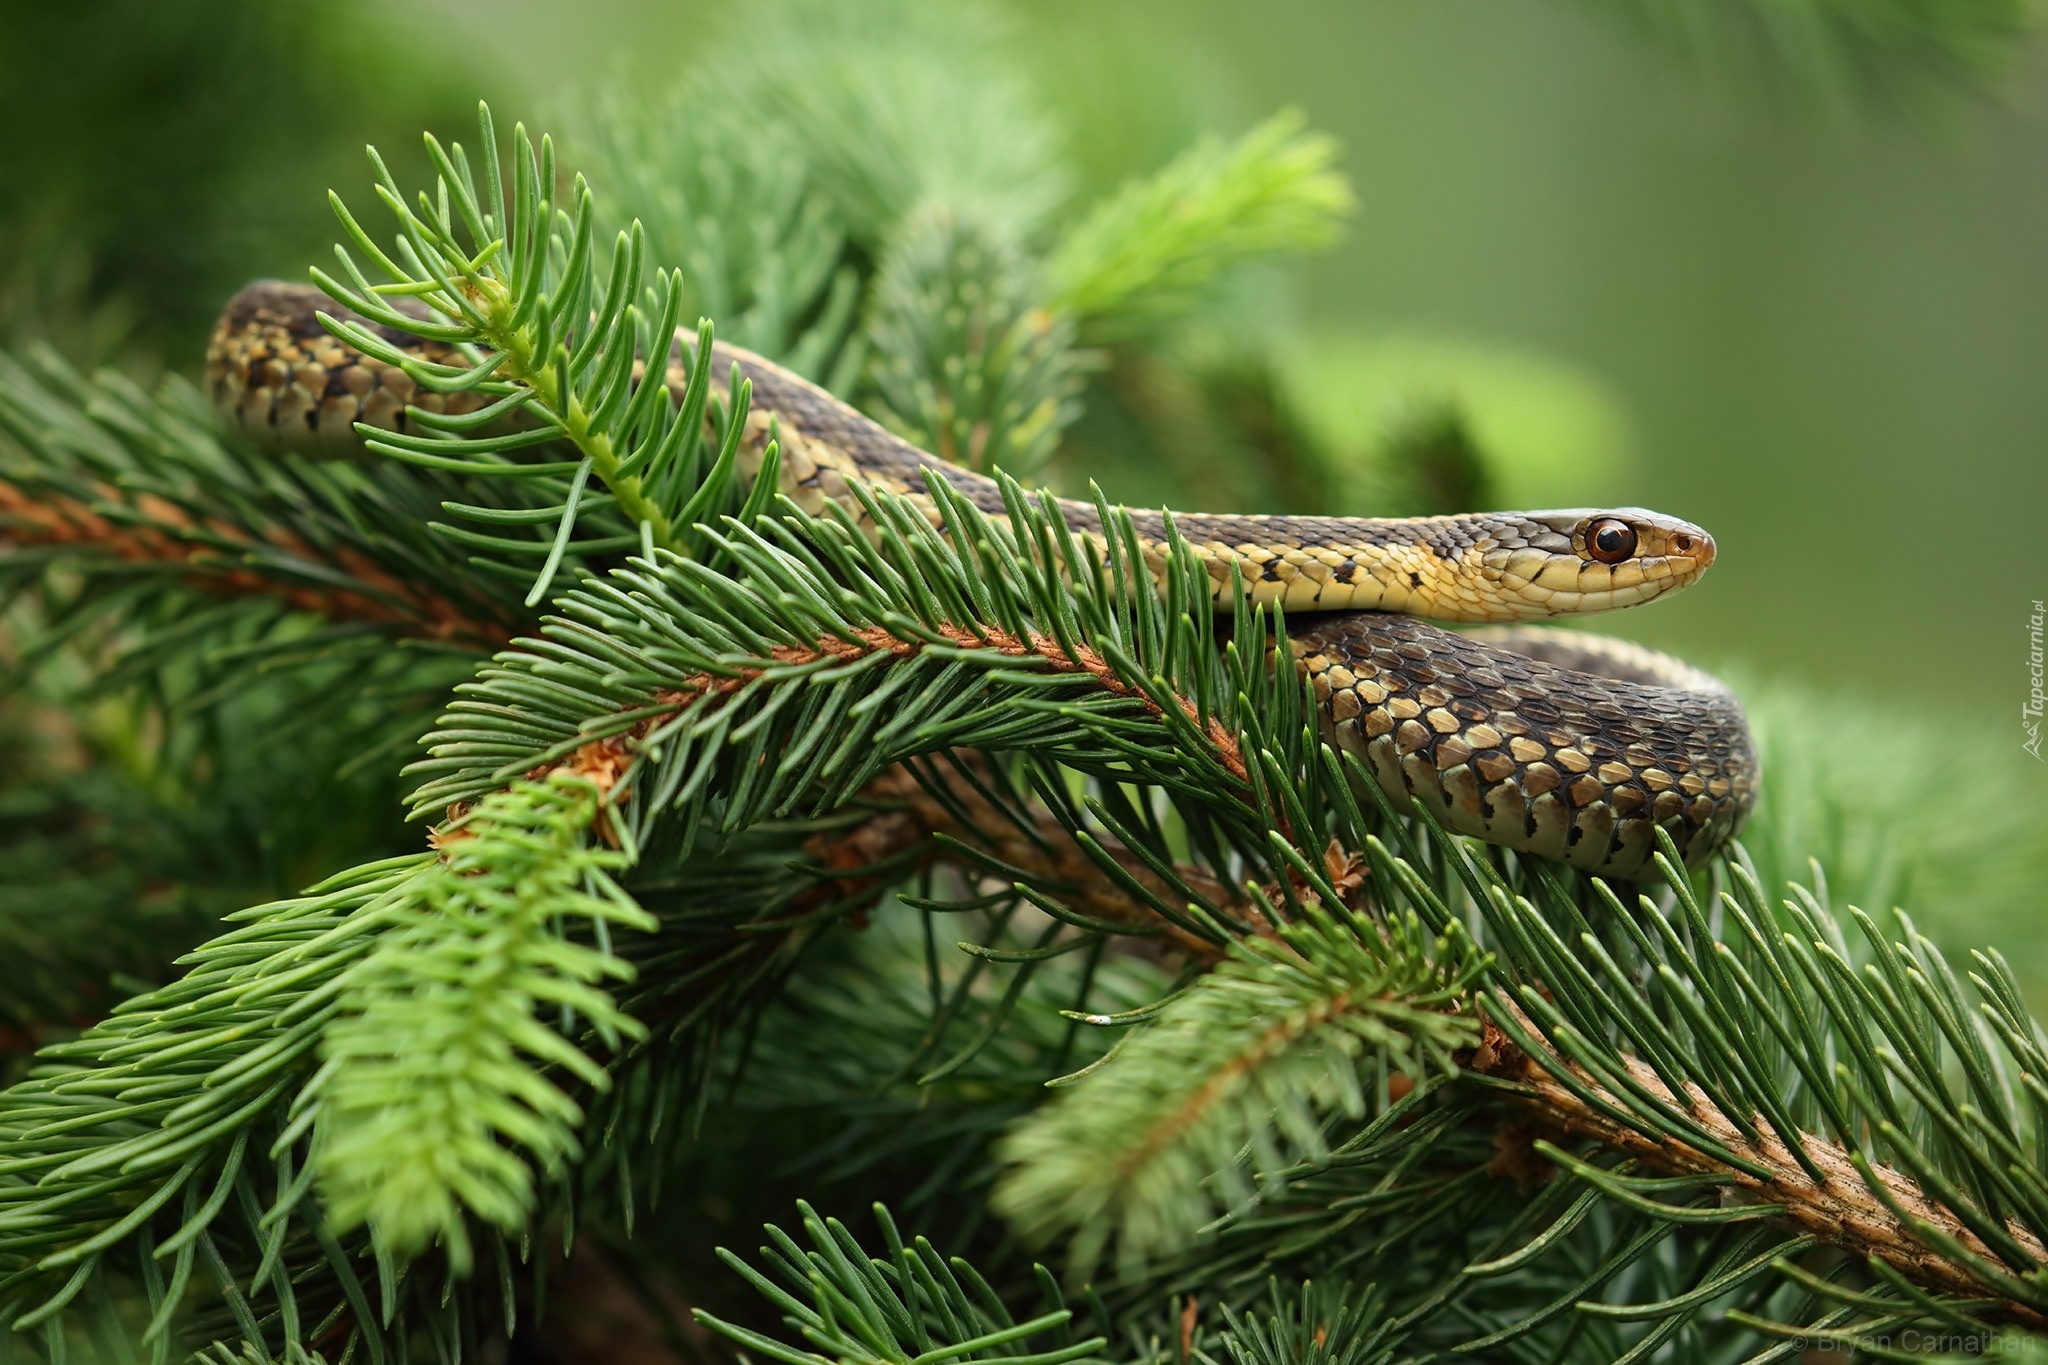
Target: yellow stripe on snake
{"x": 1562, "y": 744}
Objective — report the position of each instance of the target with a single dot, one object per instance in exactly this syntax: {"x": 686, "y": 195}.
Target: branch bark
{"x": 1843, "y": 1210}
{"x": 1887, "y": 1216}
{"x": 914, "y": 815}
{"x": 216, "y": 556}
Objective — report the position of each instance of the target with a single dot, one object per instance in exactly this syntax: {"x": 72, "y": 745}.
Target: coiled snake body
{"x": 1562, "y": 744}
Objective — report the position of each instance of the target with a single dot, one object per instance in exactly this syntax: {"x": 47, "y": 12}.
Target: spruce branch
{"x": 964, "y": 365}
{"x": 1872, "y": 1109}
{"x": 103, "y": 881}
{"x": 948, "y": 812}
{"x": 725, "y": 194}
{"x": 667, "y": 678}
{"x": 694, "y": 707}
{"x": 1122, "y": 619}
{"x": 1723, "y": 1084}
{"x": 1318, "y": 1325}
{"x": 1255, "y": 1058}
{"x": 892, "y": 106}
{"x": 911, "y": 1306}
{"x": 573, "y": 350}
{"x": 223, "y": 1069}
{"x": 120, "y": 1152}
{"x": 667, "y": 658}
{"x": 436, "y": 1075}
{"x": 1871, "y": 1211}
{"x": 1147, "y": 250}
{"x": 135, "y": 490}
{"x": 237, "y": 604}
{"x": 151, "y": 533}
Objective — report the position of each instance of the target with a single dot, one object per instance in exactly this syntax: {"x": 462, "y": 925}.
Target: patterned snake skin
{"x": 1562, "y": 744}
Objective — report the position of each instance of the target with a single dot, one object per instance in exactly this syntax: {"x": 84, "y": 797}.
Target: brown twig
{"x": 164, "y": 533}
{"x": 1842, "y": 1209}
{"x": 914, "y": 814}
{"x": 868, "y": 640}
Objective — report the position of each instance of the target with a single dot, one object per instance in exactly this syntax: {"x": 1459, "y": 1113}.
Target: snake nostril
{"x": 1682, "y": 543}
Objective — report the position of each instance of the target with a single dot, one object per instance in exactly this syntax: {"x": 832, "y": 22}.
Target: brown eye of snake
{"x": 1610, "y": 541}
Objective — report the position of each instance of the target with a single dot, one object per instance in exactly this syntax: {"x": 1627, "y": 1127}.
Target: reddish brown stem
{"x": 1842, "y": 1209}
{"x": 161, "y": 532}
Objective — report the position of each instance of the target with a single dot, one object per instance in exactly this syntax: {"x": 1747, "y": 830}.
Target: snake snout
{"x": 1703, "y": 553}
{"x": 1692, "y": 548}
{"x": 1673, "y": 550}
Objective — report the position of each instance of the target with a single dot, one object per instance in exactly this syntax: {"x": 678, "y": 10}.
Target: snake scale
{"x": 1559, "y": 743}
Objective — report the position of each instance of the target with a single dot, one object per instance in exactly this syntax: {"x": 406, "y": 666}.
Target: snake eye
{"x": 1610, "y": 540}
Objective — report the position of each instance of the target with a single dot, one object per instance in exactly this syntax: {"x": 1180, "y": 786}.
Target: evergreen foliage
{"x": 716, "y": 782}
{"x": 140, "y": 191}
{"x": 1147, "y": 248}
{"x": 911, "y": 1308}
{"x": 413, "y": 1128}
{"x": 1258, "y": 1055}
{"x": 1847, "y": 51}
{"x": 1314, "y": 1327}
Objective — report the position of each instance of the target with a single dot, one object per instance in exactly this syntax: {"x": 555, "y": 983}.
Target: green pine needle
{"x": 451, "y": 1053}
{"x": 964, "y": 365}
{"x": 1320, "y": 1324}
{"x": 1150, "y": 249}
{"x": 911, "y": 1306}
{"x": 1234, "y": 1083}
{"x": 430, "y": 1050}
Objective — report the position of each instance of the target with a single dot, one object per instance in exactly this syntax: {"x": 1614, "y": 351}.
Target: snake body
{"x": 1566, "y": 745}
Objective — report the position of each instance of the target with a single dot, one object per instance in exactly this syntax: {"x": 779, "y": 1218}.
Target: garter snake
{"x": 1563, "y": 744}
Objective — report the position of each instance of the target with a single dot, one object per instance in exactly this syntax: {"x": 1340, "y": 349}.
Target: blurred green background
{"x": 1820, "y": 331}
{"x": 1810, "y": 314}
{"x": 1826, "y": 330}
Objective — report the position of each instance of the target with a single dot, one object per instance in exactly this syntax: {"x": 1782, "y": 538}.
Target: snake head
{"x": 1594, "y": 559}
